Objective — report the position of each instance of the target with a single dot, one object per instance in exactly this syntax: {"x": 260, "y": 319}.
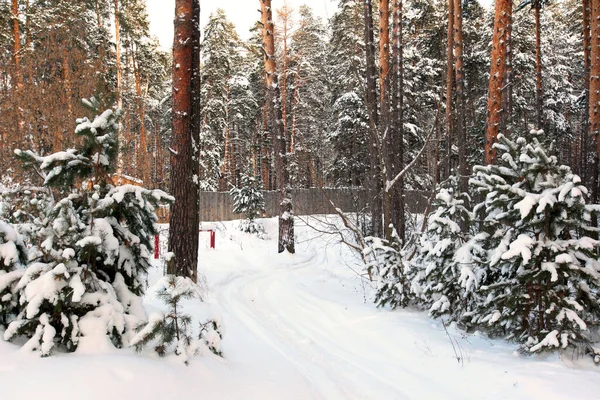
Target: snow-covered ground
{"x": 300, "y": 327}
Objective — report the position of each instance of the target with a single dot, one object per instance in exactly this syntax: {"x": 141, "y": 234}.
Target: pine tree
{"x": 387, "y": 263}
{"x": 541, "y": 278}
{"x": 13, "y": 255}
{"x": 185, "y": 145}
{"x": 249, "y": 200}
{"x": 437, "y": 282}
{"x": 88, "y": 271}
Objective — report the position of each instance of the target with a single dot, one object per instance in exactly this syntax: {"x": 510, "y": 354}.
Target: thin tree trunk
{"x": 17, "y": 77}
{"x": 226, "y": 167}
{"x": 286, "y": 218}
{"x": 507, "y": 92}
{"x": 586, "y": 62}
{"x": 449, "y": 87}
{"x": 158, "y": 157}
{"x": 398, "y": 118}
{"x": 295, "y": 100}
{"x": 538, "y": 66}
{"x": 384, "y": 105}
{"x": 142, "y": 148}
{"x": 119, "y": 90}
{"x": 461, "y": 130}
{"x": 375, "y": 184}
{"x": 183, "y": 228}
{"x": 16, "y": 50}
{"x": 284, "y": 15}
{"x": 502, "y": 21}
{"x": 27, "y": 26}
{"x": 594, "y": 100}
{"x": 265, "y": 151}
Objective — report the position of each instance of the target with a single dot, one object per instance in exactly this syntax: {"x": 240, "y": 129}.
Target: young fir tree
{"x": 388, "y": 264}
{"x": 437, "y": 280}
{"x": 171, "y": 331}
{"x": 249, "y": 201}
{"x": 541, "y": 281}
{"x": 93, "y": 247}
{"x": 13, "y": 254}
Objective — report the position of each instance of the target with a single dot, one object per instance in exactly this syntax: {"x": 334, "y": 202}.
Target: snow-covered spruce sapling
{"x": 249, "y": 201}
{"x": 88, "y": 268}
{"x": 13, "y": 255}
{"x": 541, "y": 284}
{"x": 386, "y": 262}
{"x": 436, "y": 278}
{"x": 170, "y": 331}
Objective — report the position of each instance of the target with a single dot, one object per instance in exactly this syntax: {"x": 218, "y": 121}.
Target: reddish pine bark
{"x": 594, "y": 94}
{"x": 500, "y": 42}
{"x": 461, "y": 130}
{"x": 183, "y": 229}
{"x": 16, "y": 50}
{"x": 586, "y": 63}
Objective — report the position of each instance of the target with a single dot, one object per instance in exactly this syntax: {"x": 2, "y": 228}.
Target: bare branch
{"x": 390, "y": 184}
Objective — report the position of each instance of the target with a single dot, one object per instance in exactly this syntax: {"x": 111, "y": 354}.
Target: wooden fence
{"x": 218, "y": 206}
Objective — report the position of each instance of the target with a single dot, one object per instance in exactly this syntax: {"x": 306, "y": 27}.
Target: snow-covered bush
{"x": 13, "y": 255}
{"x": 540, "y": 284}
{"x": 249, "y": 201}
{"x": 211, "y": 334}
{"x": 88, "y": 270}
{"x": 387, "y": 264}
{"x": 436, "y": 280}
{"x": 24, "y": 207}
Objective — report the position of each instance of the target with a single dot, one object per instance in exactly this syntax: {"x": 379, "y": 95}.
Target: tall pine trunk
{"x": 286, "y": 218}
{"x": 16, "y": 50}
{"x": 17, "y": 79}
{"x": 141, "y": 94}
{"x": 119, "y": 88}
{"x": 375, "y": 184}
{"x": 586, "y": 65}
{"x": 538, "y": 66}
{"x": 594, "y": 93}
{"x": 461, "y": 126}
{"x": 500, "y": 43}
{"x": 183, "y": 229}
{"x": 449, "y": 87}
{"x": 384, "y": 106}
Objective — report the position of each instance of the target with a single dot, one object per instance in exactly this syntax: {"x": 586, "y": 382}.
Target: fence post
{"x": 156, "y": 246}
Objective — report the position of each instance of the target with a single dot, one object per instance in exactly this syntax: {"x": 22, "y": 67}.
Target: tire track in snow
{"x": 271, "y": 304}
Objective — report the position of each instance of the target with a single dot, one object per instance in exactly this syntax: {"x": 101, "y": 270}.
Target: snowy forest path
{"x": 296, "y": 308}
{"x": 306, "y": 319}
